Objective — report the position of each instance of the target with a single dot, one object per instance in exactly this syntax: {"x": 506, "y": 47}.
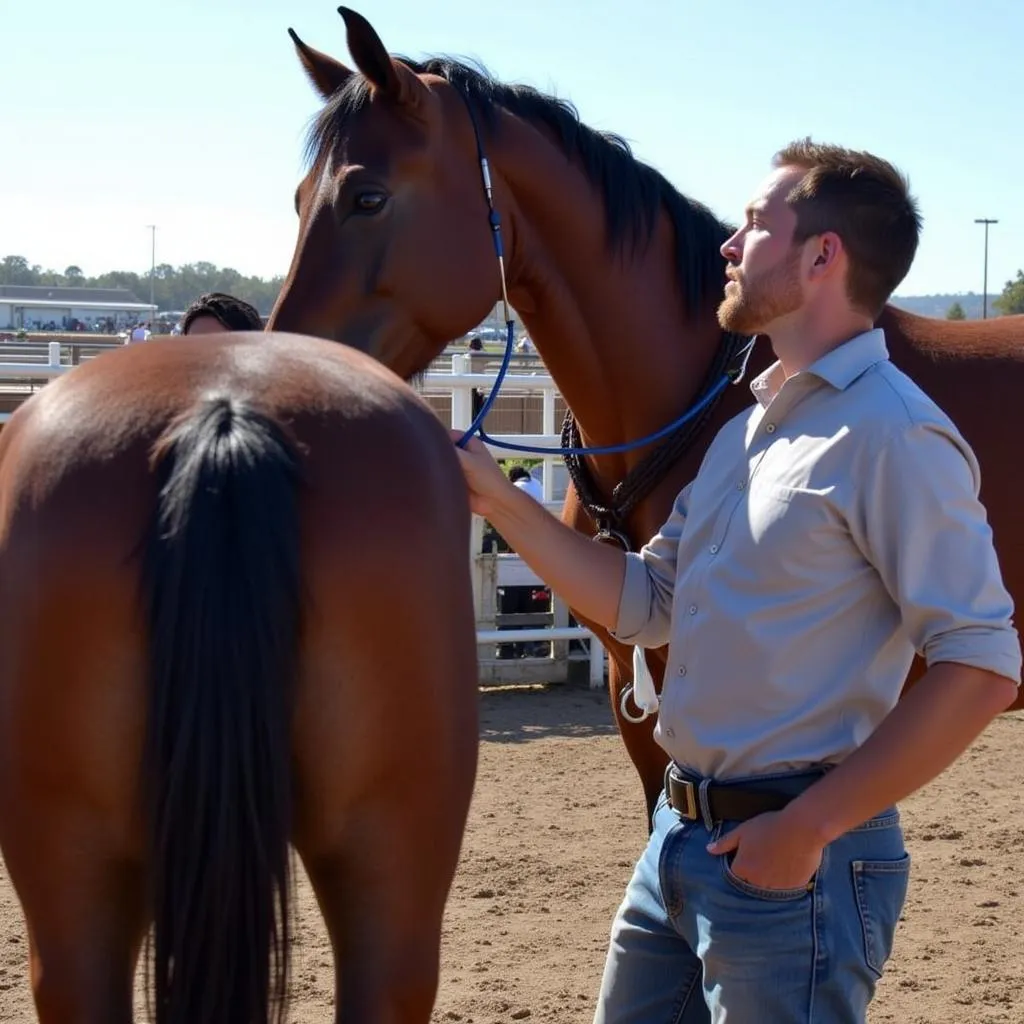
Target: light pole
{"x": 984, "y": 298}
{"x": 152, "y": 267}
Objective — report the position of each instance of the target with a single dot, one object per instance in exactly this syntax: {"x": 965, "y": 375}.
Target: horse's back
{"x": 974, "y": 371}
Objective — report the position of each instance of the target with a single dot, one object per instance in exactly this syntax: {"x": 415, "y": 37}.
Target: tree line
{"x": 1009, "y": 303}
{"x": 173, "y": 287}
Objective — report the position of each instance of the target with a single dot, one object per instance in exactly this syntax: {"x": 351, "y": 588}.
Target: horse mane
{"x": 633, "y": 193}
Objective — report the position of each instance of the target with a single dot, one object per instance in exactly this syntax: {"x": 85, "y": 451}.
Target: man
{"x": 140, "y": 332}
{"x": 216, "y": 313}
{"x": 832, "y": 531}
{"x": 522, "y": 478}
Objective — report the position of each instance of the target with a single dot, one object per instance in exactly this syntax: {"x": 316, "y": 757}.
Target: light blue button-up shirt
{"x": 832, "y": 531}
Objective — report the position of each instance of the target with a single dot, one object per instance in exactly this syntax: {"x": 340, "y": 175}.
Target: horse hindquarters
{"x": 221, "y": 588}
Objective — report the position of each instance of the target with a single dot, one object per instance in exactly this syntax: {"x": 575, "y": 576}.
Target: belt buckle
{"x": 690, "y": 795}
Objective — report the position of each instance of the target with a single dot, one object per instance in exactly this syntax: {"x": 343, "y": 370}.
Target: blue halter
{"x": 734, "y": 374}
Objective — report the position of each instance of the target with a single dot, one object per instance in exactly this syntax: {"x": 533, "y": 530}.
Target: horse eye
{"x": 370, "y": 202}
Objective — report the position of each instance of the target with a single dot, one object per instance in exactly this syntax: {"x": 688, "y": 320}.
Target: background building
{"x": 41, "y": 308}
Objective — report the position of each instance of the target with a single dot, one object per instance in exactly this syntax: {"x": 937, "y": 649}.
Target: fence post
{"x": 548, "y": 428}
{"x": 596, "y": 663}
{"x": 54, "y": 353}
{"x": 483, "y": 567}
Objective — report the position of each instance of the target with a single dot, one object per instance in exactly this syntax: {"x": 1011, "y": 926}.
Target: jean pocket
{"x": 757, "y": 892}
{"x": 880, "y": 887}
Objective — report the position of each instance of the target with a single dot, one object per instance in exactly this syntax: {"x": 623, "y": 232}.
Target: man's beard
{"x": 751, "y": 305}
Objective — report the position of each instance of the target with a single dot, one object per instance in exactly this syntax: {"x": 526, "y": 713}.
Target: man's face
{"x": 206, "y": 325}
{"x": 764, "y": 272}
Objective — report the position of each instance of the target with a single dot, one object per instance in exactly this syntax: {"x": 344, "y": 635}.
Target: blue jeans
{"x": 692, "y": 943}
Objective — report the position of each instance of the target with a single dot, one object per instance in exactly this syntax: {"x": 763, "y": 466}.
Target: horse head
{"x": 394, "y": 254}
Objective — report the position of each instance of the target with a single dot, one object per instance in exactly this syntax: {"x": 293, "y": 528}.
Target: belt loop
{"x": 705, "y": 807}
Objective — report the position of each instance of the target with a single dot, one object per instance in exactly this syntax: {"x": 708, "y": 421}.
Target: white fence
{"x": 489, "y": 571}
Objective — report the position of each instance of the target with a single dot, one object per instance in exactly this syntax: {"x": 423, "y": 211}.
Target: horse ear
{"x": 388, "y": 77}
{"x": 327, "y": 74}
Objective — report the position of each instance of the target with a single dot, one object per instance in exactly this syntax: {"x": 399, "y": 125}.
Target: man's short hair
{"x": 866, "y": 201}
{"x": 232, "y": 313}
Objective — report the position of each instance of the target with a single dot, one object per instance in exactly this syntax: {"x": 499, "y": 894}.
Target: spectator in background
{"x": 525, "y": 481}
{"x": 217, "y": 313}
{"x": 140, "y": 332}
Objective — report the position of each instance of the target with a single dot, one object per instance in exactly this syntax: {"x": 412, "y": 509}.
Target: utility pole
{"x": 984, "y": 298}
{"x": 152, "y": 267}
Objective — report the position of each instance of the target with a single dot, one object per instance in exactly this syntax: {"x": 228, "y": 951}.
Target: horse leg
{"x": 86, "y": 918}
{"x": 380, "y": 844}
{"x": 648, "y": 757}
{"x": 69, "y": 738}
{"x": 385, "y": 741}
{"x": 384, "y": 919}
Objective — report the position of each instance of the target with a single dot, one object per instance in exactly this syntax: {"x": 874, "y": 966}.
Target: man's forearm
{"x": 925, "y": 733}
{"x": 587, "y": 576}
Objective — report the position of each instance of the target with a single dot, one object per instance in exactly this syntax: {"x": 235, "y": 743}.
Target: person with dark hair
{"x": 216, "y": 312}
{"x": 524, "y": 479}
{"x": 833, "y": 531}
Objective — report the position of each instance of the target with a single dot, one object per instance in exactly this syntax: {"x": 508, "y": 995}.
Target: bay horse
{"x": 214, "y": 553}
{"x": 617, "y": 277}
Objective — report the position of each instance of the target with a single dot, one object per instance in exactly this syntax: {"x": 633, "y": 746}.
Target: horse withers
{"x": 213, "y": 556}
{"x": 616, "y": 275}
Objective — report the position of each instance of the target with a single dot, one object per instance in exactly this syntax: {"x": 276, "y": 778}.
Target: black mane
{"x": 633, "y": 192}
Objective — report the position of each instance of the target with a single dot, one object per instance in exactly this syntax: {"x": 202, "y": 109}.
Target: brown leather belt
{"x": 726, "y": 803}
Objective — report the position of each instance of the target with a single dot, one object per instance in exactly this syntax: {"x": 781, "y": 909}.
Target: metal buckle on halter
{"x": 606, "y": 535}
{"x": 737, "y": 368}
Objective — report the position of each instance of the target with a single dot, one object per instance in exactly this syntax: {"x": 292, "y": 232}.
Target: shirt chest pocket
{"x": 794, "y": 527}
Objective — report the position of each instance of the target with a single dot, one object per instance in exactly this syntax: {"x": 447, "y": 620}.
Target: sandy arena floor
{"x": 545, "y": 862}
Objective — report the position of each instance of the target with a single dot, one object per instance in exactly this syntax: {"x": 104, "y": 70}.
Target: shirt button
{"x": 682, "y": 670}
{"x": 742, "y": 485}
{"x": 670, "y": 732}
{"x": 713, "y": 549}
{"x": 770, "y": 428}
{"x": 693, "y": 609}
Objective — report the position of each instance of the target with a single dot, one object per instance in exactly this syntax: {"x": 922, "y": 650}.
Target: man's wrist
{"x": 808, "y": 818}
{"x": 511, "y": 507}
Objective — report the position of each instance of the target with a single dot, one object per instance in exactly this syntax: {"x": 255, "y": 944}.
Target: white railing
{"x": 489, "y": 571}
{"x": 493, "y": 571}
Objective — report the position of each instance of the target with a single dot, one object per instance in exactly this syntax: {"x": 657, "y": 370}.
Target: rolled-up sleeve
{"x": 645, "y": 605}
{"x": 921, "y": 524}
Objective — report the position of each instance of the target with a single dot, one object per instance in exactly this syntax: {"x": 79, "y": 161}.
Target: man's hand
{"x": 771, "y": 853}
{"x": 489, "y": 488}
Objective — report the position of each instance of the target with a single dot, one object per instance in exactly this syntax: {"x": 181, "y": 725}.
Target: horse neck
{"x": 612, "y": 330}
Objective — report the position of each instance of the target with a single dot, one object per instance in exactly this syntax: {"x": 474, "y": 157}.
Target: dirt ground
{"x": 555, "y": 827}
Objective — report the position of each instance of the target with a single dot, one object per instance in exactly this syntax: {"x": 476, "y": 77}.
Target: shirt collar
{"x": 839, "y": 367}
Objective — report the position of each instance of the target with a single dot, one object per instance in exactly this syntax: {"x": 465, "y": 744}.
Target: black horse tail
{"x": 222, "y": 596}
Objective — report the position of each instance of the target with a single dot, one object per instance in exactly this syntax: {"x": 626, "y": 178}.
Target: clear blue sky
{"x": 190, "y": 113}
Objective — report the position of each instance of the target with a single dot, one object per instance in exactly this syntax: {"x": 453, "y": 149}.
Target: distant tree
{"x": 174, "y": 287}
{"x": 15, "y": 270}
{"x": 956, "y": 312}
{"x": 1011, "y": 302}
